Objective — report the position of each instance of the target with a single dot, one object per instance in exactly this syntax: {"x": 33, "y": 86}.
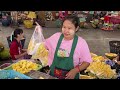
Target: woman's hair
{"x": 17, "y": 31}
{"x": 74, "y": 19}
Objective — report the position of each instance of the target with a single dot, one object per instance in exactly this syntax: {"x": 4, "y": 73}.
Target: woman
{"x": 16, "y": 50}
{"x": 107, "y": 23}
{"x": 115, "y": 63}
{"x": 68, "y": 53}
{"x": 117, "y": 59}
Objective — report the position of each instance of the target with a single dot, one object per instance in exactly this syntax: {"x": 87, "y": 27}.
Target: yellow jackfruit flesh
{"x": 25, "y": 66}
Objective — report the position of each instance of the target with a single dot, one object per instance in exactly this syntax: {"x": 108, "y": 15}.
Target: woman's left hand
{"x": 71, "y": 74}
{"x": 24, "y": 50}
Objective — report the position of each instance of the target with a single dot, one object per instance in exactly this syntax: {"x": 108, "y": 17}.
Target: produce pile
{"x": 92, "y": 54}
{"x": 86, "y": 77}
{"x": 25, "y": 66}
{"x": 98, "y": 58}
{"x": 4, "y": 52}
{"x": 100, "y": 69}
{"x": 110, "y": 55}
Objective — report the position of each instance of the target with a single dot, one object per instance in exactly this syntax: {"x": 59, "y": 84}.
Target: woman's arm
{"x": 73, "y": 72}
{"x": 24, "y": 50}
{"x": 83, "y": 66}
{"x": 52, "y": 39}
{"x": 116, "y": 60}
{"x": 20, "y": 55}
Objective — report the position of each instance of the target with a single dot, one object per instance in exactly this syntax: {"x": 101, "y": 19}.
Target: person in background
{"x": 107, "y": 24}
{"x": 61, "y": 15}
{"x": 68, "y": 53}
{"x": 95, "y": 20}
{"x": 16, "y": 50}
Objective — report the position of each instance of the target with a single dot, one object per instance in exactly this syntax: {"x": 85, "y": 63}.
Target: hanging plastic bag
{"x": 36, "y": 40}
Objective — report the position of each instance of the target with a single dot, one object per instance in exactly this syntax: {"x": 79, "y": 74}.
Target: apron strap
{"x": 58, "y": 45}
{"x": 73, "y": 46}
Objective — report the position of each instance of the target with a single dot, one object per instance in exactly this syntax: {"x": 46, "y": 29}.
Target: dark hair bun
{"x": 74, "y": 19}
{"x": 17, "y": 31}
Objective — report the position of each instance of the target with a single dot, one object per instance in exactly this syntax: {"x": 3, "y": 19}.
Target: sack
{"x": 35, "y": 41}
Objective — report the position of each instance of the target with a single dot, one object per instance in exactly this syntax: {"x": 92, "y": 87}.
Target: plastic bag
{"x": 35, "y": 41}
{"x": 41, "y": 54}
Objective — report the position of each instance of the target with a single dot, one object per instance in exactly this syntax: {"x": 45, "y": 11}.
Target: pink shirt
{"x": 81, "y": 52}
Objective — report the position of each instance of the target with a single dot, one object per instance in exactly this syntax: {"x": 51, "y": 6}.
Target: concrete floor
{"x": 97, "y": 39}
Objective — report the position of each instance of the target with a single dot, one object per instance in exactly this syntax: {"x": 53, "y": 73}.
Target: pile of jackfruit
{"x": 98, "y": 58}
{"x": 101, "y": 70}
{"x": 25, "y": 66}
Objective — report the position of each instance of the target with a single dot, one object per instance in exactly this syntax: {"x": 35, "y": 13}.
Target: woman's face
{"x": 21, "y": 36}
{"x": 68, "y": 29}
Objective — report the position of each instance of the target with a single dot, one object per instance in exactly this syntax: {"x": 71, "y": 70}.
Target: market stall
{"x": 102, "y": 67}
{"x": 23, "y": 69}
{"x": 115, "y": 19}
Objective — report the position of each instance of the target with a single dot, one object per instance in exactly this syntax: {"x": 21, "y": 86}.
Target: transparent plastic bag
{"x": 41, "y": 54}
{"x": 36, "y": 39}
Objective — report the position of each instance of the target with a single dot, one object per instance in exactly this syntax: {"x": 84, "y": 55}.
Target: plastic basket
{"x": 11, "y": 74}
{"x": 28, "y": 23}
{"x": 114, "y": 46}
{"x": 9, "y": 41}
{"x": 10, "y": 66}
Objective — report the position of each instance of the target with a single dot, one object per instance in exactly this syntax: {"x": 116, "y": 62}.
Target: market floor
{"x": 97, "y": 39}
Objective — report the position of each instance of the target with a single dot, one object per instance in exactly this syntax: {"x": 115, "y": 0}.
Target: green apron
{"x": 62, "y": 65}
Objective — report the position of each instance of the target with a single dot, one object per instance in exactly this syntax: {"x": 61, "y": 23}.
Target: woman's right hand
{"x": 20, "y": 55}
{"x": 118, "y": 62}
{"x": 115, "y": 59}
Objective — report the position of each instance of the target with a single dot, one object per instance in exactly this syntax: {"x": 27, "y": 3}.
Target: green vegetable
{"x": 5, "y": 54}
